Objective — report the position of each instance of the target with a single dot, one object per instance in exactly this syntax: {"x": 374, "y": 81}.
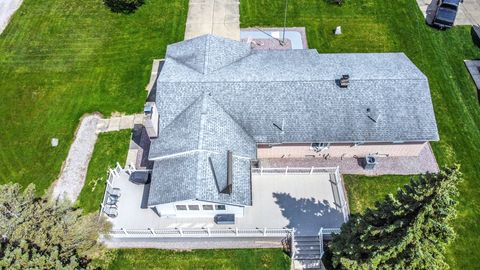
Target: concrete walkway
{"x": 7, "y": 9}
{"x": 468, "y": 13}
{"x": 218, "y": 17}
{"x": 74, "y": 170}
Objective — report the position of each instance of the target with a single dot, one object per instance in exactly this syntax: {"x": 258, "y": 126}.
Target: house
{"x": 224, "y": 107}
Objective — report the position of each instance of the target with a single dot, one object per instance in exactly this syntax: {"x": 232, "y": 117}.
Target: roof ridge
{"x": 325, "y": 80}
{"x": 205, "y": 55}
{"x": 203, "y": 115}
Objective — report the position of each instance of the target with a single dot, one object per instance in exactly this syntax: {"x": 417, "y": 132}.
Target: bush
{"x": 123, "y": 6}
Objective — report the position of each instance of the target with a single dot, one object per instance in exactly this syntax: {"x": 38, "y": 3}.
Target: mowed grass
{"x": 110, "y": 148}
{"x": 247, "y": 259}
{"x": 61, "y": 59}
{"x": 398, "y": 26}
{"x": 364, "y": 191}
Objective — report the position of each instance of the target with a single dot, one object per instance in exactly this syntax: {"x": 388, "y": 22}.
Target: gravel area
{"x": 193, "y": 243}
{"x": 74, "y": 170}
{"x": 7, "y": 8}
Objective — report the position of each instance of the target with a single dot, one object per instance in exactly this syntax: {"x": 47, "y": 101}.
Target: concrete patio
{"x": 305, "y": 202}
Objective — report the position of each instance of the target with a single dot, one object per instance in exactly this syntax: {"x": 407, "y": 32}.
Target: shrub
{"x": 123, "y": 6}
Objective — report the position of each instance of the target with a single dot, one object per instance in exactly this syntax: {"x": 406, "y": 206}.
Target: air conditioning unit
{"x": 370, "y": 162}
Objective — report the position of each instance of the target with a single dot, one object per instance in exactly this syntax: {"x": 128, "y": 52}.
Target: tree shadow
{"x": 308, "y": 215}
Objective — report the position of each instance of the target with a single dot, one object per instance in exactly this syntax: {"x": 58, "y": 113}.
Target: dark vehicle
{"x": 446, "y": 13}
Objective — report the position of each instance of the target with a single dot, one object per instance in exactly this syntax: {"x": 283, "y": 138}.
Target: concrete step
{"x": 307, "y": 241}
{"x": 307, "y": 257}
{"x": 308, "y": 248}
{"x": 309, "y": 252}
{"x": 308, "y": 264}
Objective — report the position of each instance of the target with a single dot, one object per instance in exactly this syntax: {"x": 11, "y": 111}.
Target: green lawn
{"x": 60, "y": 59}
{"x": 199, "y": 259}
{"x": 364, "y": 191}
{"x": 398, "y": 26}
{"x": 110, "y": 148}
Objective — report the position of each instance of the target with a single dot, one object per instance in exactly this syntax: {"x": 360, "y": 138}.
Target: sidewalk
{"x": 217, "y": 17}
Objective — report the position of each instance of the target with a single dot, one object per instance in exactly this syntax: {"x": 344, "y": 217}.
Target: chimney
{"x": 229, "y": 188}
{"x": 345, "y": 81}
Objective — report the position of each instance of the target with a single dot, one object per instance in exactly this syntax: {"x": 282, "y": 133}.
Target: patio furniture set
{"x": 112, "y": 198}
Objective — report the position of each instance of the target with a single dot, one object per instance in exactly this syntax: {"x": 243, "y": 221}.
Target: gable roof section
{"x": 190, "y": 157}
{"x": 189, "y": 176}
{"x": 298, "y": 88}
{"x": 207, "y": 53}
{"x": 203, "y": 126}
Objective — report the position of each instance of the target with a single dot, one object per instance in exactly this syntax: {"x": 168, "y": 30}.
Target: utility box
{"x": 224, "y": 219}
{"x": 370, "y": 162}
{"x": 150, "y": 119}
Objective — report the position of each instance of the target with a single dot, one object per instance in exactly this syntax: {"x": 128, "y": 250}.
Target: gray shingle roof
{"x": 208, "y": 53}
{"x": 215, "y": 95}
{"x": 203, "y": 125}
{"x": 190, "y": 177}
{"x": 202, "y": 132}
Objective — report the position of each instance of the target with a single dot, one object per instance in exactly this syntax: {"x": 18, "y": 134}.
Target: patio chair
{"x": 111, "y": 211}
{"x": 115, "y": 192}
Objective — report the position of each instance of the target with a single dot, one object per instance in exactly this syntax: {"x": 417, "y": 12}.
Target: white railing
{"x": 326, "y": 232}
{"x": 112, "y": 175}
{"x": 200, "y": 232}
{"x": 293, "y": 249}
{"x": 341, "y": 194}
{"x": 294, "y": 170}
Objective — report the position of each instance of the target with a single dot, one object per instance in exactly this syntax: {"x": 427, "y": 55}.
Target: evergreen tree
{"x": 37, "y": 233}
{"x": 407, "y": 231}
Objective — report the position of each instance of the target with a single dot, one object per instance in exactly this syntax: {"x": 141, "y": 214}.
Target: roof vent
{"x": 373, "y": 114}
{"x": 344, "y": 81}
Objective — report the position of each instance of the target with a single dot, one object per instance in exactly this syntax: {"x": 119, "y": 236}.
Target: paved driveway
{"x": 218, "y": 17}
{"x": 468, "y": 14}
{"x": 7, "y": 8}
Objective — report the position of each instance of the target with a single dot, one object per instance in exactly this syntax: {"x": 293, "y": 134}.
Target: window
{"x": 207, "y": 207}
{"x": 220, "y": 207}
{"x": 193, "y": 207}
{"x": 181, "y": 207}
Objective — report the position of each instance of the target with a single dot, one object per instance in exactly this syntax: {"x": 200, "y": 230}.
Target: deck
{"x": 302, "y": 201}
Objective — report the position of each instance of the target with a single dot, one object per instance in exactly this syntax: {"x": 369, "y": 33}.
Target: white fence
{"x": 200, "y": 232}
{"x": 112, "y": 174}
{"x": 294, "y": 170}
